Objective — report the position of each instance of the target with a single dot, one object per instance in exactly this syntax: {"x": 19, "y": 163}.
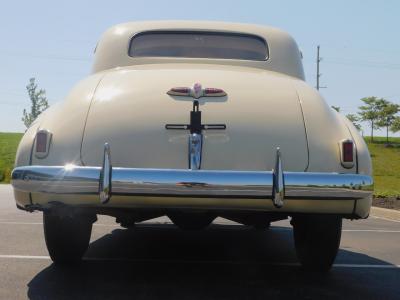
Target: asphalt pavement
{"x": 227, "y": 261}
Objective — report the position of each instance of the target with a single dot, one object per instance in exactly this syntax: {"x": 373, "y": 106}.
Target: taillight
{"x": 42, "y": 143}
{"x": 179, "y": 91}
{"x": 347, "y": 153}
{"x": 214, "y": 92}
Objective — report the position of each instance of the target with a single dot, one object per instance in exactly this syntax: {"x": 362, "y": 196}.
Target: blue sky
{"x": 54, "y": 41}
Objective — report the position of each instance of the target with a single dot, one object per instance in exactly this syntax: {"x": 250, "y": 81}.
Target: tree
{"x": 38, "y": 103}
{"x": 337, "y": 108}
{"x": 395, "y": 127}
{"x": 370, "y": 112}
{"x": 354, "y": 119}
{"x": 387, "y": 115}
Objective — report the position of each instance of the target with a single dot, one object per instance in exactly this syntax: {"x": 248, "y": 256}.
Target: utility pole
{"x": 318, "y": 73}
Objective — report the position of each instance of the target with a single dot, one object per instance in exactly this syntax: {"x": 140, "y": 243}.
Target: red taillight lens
{"x": 179, "y": 91}
{"x": 348, "y": 151}
{"x": 41, "y": 142}
{"x": 182, "y": 90}
{"x": 214, "y": 92}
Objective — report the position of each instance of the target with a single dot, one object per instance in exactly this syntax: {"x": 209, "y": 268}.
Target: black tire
{"x": 191, "y": 221}
{"x": 317, "y": 241}
{"x": 67, "y": 237}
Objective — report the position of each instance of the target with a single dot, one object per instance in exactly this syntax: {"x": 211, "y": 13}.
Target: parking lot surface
{"x": 227, "y": 261}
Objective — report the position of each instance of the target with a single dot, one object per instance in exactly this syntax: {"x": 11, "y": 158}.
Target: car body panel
{"x": 66, "y": 121}
{"x": 131, "y": 107}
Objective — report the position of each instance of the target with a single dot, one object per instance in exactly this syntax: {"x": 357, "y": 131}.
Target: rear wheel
{"x": 67, "y": 237}
{"x": 191, "y": 221}
{"x": 317, "y": 240}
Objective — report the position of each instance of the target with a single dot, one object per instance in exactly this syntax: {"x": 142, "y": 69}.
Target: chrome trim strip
{"x": 177, "y": 30}
{"x": 347, "y": 165}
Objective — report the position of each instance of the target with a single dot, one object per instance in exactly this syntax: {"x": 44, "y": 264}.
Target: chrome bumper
{"x": 107, "y": 181}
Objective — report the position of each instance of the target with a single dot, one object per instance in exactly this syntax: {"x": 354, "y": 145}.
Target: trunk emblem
{"x": 196, "y": 91}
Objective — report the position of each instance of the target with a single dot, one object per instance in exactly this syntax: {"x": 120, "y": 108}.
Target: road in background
{"x": 227, "y": 261}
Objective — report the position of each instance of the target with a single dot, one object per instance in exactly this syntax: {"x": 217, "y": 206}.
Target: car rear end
{"x": 195, "y": 124}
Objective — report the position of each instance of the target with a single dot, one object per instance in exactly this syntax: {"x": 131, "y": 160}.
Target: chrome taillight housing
{"x": 347, "y": 153}
{"x": 42, "y": 143}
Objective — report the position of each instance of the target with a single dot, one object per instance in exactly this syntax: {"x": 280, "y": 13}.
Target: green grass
{"x": 8, "y": 147}
{"x": 385, "y": 160}
{"x": 382, "y": 140}
{"x": 386, "y": 166}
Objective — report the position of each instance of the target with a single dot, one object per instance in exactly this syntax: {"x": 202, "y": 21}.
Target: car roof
{"x": 112, "y": 49}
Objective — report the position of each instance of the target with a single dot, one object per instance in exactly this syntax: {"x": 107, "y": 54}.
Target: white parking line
{"x": 371, "y": 230}
{"x": 25, "y": 256}
{"x": 386, "y": 219}
{"x": 21, "y": 223}
{"x": 366, "y": 266}
{"x": 289, "y": 264}
{"x": 106, "y": 225}
{"x": 346, "y": 230}
{"x": 41, "y": 223}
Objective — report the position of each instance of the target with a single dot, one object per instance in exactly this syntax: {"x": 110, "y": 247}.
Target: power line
{"x": 80, "y": 59}
{"x": 362, "y": 62}
{"x": 387, "y": 66}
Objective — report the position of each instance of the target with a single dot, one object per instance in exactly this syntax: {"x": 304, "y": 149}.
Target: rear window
{"x": 218, "y": 45}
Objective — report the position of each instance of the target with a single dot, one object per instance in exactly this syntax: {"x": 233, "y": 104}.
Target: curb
{"x": 384, "y": 213}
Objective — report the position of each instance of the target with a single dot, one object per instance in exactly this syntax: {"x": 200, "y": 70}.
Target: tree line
{"x": 378, "y": 113}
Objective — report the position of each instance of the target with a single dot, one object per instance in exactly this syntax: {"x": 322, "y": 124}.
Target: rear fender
{"x": 325, "y": 129}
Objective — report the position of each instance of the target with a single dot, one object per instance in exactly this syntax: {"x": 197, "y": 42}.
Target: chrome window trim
{"x": 267, "y": 54}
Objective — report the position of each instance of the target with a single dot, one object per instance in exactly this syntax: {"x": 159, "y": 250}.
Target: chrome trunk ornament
{"x": 196, "y": 91}
{"x": 196, "y": 136}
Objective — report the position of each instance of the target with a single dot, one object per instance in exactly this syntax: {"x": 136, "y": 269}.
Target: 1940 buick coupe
{"x": 194, "y": 120}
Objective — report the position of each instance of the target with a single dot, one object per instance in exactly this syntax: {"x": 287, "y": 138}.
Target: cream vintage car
{"x": 194, "y": 120}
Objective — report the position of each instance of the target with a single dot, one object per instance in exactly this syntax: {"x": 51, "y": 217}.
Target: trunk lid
{"x": 131, "y": 108}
